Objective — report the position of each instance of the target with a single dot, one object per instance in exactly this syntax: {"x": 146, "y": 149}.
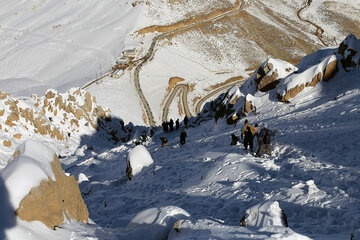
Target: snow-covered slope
{"x": 312, "y": 173}
{"x": 64, "y": 44}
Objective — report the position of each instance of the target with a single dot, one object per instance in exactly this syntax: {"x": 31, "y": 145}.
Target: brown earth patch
{"x": 230, "y": 80}
{"x": 53, "y": 200}
{"x": 7, "y": 143}
{"x": 17, "y": 135}
{"x": 347, "y": 23}
{"x": 189, "y": 21}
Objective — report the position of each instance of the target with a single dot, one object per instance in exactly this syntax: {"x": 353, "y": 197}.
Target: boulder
{"x": 349, "y": 49}
{"x": 264, "y": 80}
{"x": 38, "y": 188}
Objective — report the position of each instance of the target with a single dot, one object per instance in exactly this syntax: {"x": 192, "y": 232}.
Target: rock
{"x": 349, "y": 49}
{"x": 17, "y": 135}
{"x": 264, "y": 81}
{"x": 328, "y": 71}
{"x": 53, "y": 200}
{"x": 7, "y": 143}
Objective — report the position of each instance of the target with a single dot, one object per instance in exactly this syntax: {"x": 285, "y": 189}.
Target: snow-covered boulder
{"x": 38, "y": 188}
{"x": 270, "y": 72}
{"x": 349, "y": 49}
{"x": 209, "y": 229}
{"x": 265, "y": 215}
{"x": 137, "y": 159}
{"x": 295, "y": 83}
{"x": 155, "y": 223}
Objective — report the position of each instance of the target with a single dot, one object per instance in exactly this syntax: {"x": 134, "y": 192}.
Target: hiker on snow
{"x": 177, "y": 124}
{"x": 248, "y": 131}
{"x": 186, "y": 120}
{"x": 264, "y": 140}
{"x": 256, "y": 134}
{"x": 183, "y": 136}
{"x": 171, "y": 125}
{"x": 143, "y": 136}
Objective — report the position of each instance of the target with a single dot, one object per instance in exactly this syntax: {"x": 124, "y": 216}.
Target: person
{"x": 234, "y": 139}
{"x": 256, "y": 134}
{"x": 177, "y": 123}
{"x": 152, "y": 132}
{"x": 183, "y": 136}
{"x": 249, "y": 139}
{"x": 171, "y": 124}
{"x": 166, "y": 125}
{"x": 186, "y": 121}
{"x": 143, "y": 136}
{"x": 164, "y": 141}
{"x": 264, "y": 141}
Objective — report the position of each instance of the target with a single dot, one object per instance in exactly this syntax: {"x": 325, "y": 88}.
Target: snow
{"x": 313, "y": 174}
{"x": 305, "y": 77}
{"x": 139, "y": 158}
{"x": 155, "y": 223}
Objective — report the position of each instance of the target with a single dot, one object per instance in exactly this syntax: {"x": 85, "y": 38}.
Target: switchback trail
{"x": 150, "y": 53}
{"x": 185, "y": 89}
{"x": 319, "y": 31}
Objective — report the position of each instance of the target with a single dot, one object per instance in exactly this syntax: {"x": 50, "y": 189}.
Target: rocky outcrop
{"x": 265, "y": 81}
{"x": 54, "y": 199}
{"x": 331, "y": 67}
{"x": 349, "y": 50}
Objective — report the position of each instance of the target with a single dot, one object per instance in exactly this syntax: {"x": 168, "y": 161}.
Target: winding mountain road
{"x": 319, "y": 31}
{"x": 150, "y": 54}
{"x": 185, "y": 90}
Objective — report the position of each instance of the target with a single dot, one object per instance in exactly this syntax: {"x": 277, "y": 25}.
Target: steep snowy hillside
{"x": 208, "y": 44}
{"x": 208, "y": 189}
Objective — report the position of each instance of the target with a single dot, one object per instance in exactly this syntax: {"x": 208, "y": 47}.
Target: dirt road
{"x": 319, "y": 31}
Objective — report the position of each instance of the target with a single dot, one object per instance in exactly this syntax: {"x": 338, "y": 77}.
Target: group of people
{"x": 249, "y": 132}
{"x": 169, "y": 127}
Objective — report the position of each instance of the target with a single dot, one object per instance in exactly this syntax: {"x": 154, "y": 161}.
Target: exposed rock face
{"x": 264, "y": 81}
{"x": 325, "y": 75}
{"x": 349, "y": 50}
{"x": 53, "y": 200}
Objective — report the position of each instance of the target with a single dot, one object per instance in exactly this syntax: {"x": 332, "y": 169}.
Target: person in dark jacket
{"x": 234, "y": 139}
{"x": 183, "y": 136}
{"x": 171, "y": 125}
{"x": 186, "y": 121}
{"x": 264, "y": 141}
{"x": 152, "y": 132}
{"x": 143, "y": 136}
{"x": 177, "y": 123}
{"x": 248, "y": 139}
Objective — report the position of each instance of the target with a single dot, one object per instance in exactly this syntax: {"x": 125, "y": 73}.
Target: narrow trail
{"x": 185, "y": 104}
{"x": 319, "y": 31}
{"x": 150, "y": 117}
{"x": 150, "y": 54}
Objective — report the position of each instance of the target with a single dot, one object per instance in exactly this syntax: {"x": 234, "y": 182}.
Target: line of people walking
{"x": 169, "y": 127}
{"x": 263, "y": 138}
